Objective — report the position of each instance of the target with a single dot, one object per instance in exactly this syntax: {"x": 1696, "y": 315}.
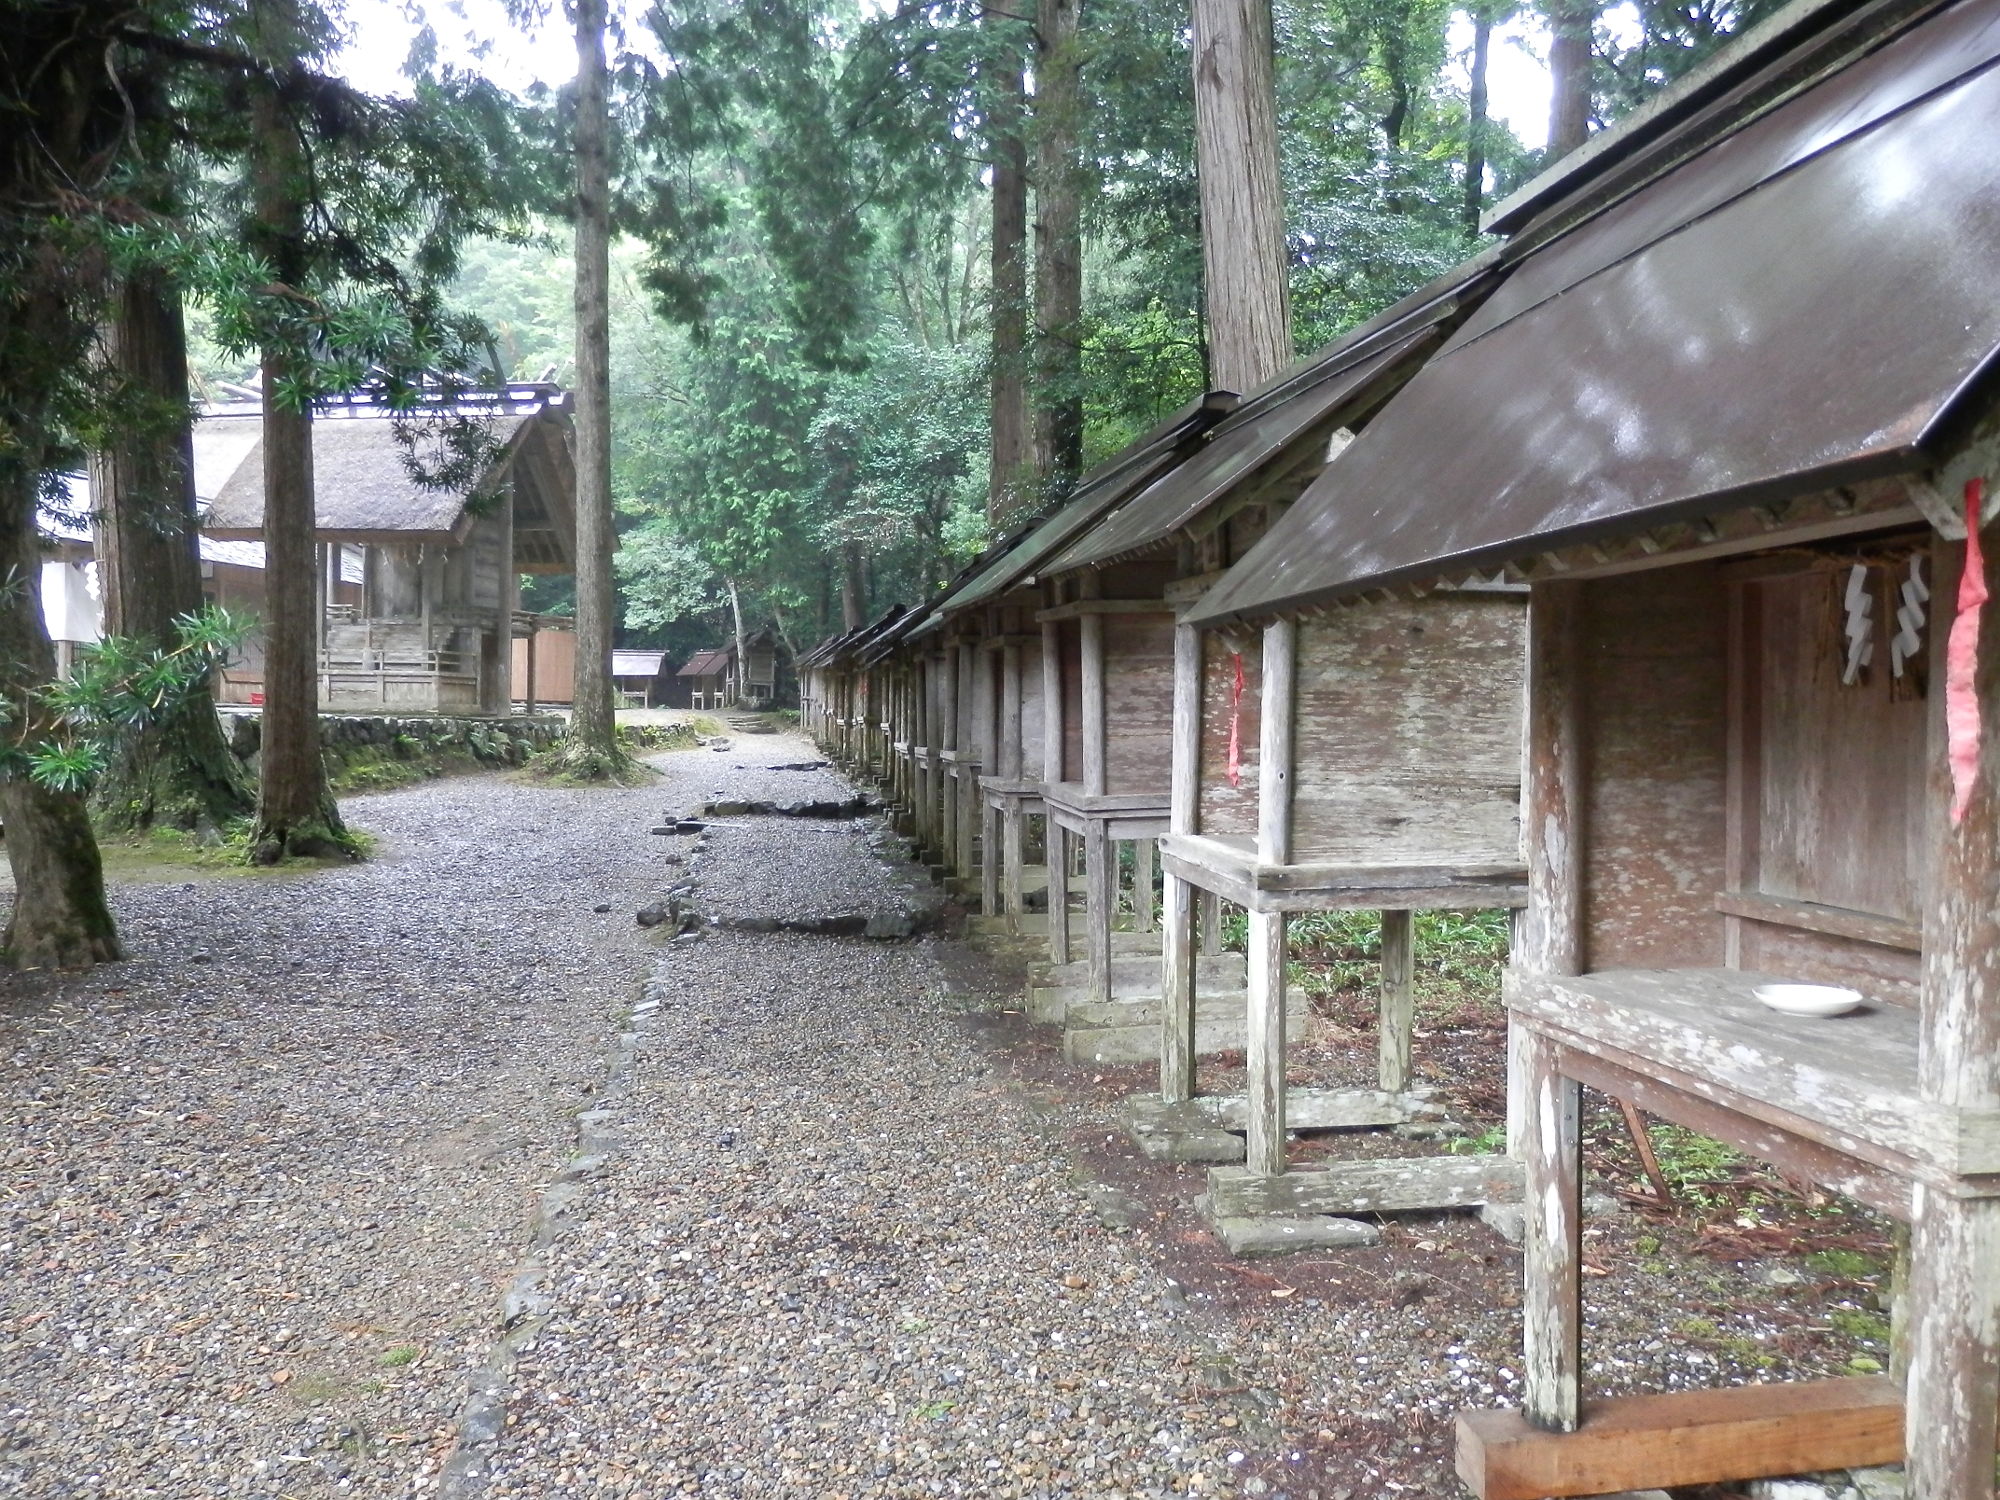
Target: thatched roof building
{"x": 365, "y": 490}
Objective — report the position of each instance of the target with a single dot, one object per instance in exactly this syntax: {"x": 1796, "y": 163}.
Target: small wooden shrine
{"x": 1763, "y": 697}
{"x": 987, "y": 685}
{"x": 438, "y": 607}
{"x": 834, "y": 688}
{"x": 1375, "y": 763}
{"x": 710, "y": 678}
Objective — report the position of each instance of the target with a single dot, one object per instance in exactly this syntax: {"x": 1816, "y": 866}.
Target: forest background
{"x": 804, "y": 350}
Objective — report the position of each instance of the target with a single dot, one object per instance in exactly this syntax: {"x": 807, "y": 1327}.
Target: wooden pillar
{"x": 1266, "y": 1043}
{"x": 1266, "y": 1136}
{"x": 528, "y": 687}
{"x": 1396, "y": 1021}
{"x": 1177, "y": 948}
{"x": 1052, "y": 705}
{"x": 980, "y": 850}
{"x": 920, "y": 746}
{"x": 1091, "y": 628}
{"x": 989, "y": 856}
{"x": 1274, "y": 745}
{"x": 1142, "y": 885}
{"x": 947, "y": 790}
{"x": 1058, "y": 857}
{"x": 1953, "y": 1391}
{"x": 1011, "y": 861}
{"x": 1549, "y": 933}
{"x": 1552, "y": 1252}
{"x": 1177, "y": 1014}
{"x": 1010, "y": 712}
{"x": 1542, "y": 1104}
{"x": 1100, "y": 898}
{"x": 1211, "y": 924}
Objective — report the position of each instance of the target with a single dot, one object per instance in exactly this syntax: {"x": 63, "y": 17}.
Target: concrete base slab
{"x": 1136, "y": 976}
{"x": 1282, "y": 1236}
{"x": 1140, "y": 1042}
{"x": 1215, "y": 1147}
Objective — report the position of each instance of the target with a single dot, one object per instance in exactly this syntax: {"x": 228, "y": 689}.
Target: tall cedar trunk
{"x": 296, "y": 814}
{"x": 593, "y": 734}
{"x": 179, "y": 772}
{"x": 60, "y": 919}
{"x": 853, "y": 603}
{"x": 1058, "y": 249}
{"x": 1242, "y": 202}
{"x": 1570, "y": 25}
{"x": 742, "y": 645}
{"x": 1475, "y": 119}
{"x": 1007, "y": 489}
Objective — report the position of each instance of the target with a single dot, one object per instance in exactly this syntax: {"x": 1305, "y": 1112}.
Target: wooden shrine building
{"x": 1368, "y": 760}
{"x": 440, "y": 568}
{"x": 1763, "y": 699}
{"x": 710, "y": 678}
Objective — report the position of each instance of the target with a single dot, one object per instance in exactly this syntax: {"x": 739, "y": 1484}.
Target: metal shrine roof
{"x": 706, "y": 663}
{"x": 637, "y": 663}
{"x": 1798, "y": 304}
{"x": 1335, "y": 386}
{"x": 1103, "y": 488}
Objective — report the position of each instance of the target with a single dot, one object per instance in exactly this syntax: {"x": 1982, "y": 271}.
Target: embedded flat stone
{"x": 1280, "y": 1235}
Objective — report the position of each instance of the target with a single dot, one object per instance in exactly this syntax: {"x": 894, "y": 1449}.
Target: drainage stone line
{"x": 526, "y": 1305}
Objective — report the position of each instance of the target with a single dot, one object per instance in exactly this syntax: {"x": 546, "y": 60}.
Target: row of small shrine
{"x": 1620, "y": 578}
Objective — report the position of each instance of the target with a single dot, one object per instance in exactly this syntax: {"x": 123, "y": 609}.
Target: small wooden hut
{"x": 1376, "y": 759}
{"x": 711, "y": 678}
{"x": 641, "y": 679}
{"x": 1763, "y": 695}
{"x": 761, "y": 673}
{"x": 432, "y": 630}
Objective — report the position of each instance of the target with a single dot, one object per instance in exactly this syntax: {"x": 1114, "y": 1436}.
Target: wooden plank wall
{"x": 1408, "y": 731}
{"x": 1227, "y": 809}
{"x": 1138, "y": 702}
{"x": 1655, "y": 677}
{"x": 1840, "y": 818}
{"x": 1031, "y": 713}
{"x": 1070, "y": 634}
{"x": 1828, "y": 799}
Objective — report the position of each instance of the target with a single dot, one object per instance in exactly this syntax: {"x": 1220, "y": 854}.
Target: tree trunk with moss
{"x": 1058, "y": 404}
{"x": 1571, "y": 26}
{"x": 591, "y": 747}
{"x": 1009, "y": 487}
{"x": 60, "y": 918}
{"x": 296, "y": 813}
{"x": 1242, "y": 196}
{"x": 177, "y": 772}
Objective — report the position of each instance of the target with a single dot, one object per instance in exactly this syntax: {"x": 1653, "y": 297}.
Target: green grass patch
{"x": 1860, "y": 1325}
{"x": 1337, "y": 957}
{"x": 1851, "y": 1264}
{"x": 651, "y": 737}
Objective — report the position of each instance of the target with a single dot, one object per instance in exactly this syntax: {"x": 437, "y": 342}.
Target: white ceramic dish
{"x": 1809, "y": 999}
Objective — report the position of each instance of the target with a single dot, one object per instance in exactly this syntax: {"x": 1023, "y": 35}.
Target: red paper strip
{"x": 1961, "y": 661}
{"x": 1236, "y": 723}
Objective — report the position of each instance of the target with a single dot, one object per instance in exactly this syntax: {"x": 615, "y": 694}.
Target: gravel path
{"x": 264, "y": 1182}
{"x": 863, "y": 1233}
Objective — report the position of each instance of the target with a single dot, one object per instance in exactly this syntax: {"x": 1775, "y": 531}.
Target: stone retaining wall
{"x": 351, "y": 738}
